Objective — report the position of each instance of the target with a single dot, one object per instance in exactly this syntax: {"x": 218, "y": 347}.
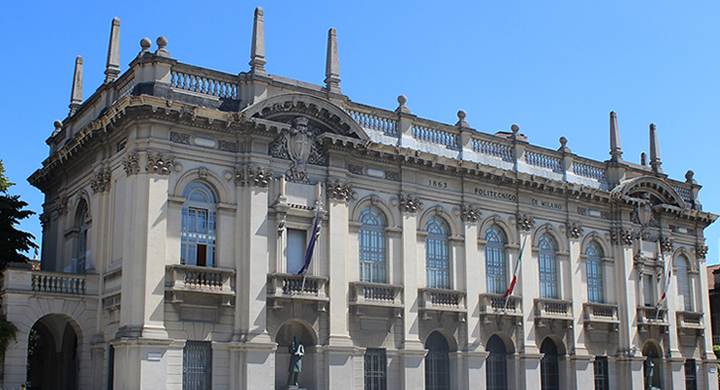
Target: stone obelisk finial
{"x": 257, "y": 52}
{"x": 332, "y": 66}
{"x": 654, "y": 150}
{"x": 112, "y": 67}
{"x": 77, "y": 86}
{"x": 615, "y": 148}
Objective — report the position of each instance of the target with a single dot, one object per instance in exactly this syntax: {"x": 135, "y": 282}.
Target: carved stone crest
{"x": 408, "y": 203}
{"x": 298, "y": 145}
{"x": 573, "y": 230}
{"x": 253, "y": 175}
{"x": 101, "y": 181}
{"x": 160, "y": 163}
{"x": 644, "y": 215}
{"x": 131, "y": 165}
{"x": 621, "y": 237}
{"x": 339, "y": 190}
{"x": 666, "y": 245}
{"x": 701, "y": 251}
{"x": 524, "y": 221}
{"x": 469, "y": 212}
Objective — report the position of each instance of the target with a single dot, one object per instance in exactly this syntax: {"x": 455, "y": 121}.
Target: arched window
{"x": 683, "y": 284}
{"x": 496, "y": 364}
{"x": 548, "y": 267}
{"x": 198, "y": 225}
{"x": 81, "y": 221}
{"x": 495, "y": 260}
{"x": 437, "y": 254}
{"x": 373, "y": 266}
{"x": 549, "y": 369}
{"x": 437, "y": 363}
{"x": 596, "y": 292}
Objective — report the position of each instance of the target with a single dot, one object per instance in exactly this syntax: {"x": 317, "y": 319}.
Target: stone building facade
{"x": 180, "y": 202}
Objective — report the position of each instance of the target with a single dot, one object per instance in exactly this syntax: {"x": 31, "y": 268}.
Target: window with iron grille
{"x": 373, "y": 266}
{"x": 548, "y": 268}
{"x": 690, "y": 375}
{"x": 197, "y": 365}
{"x": 375, "y": 369}
{"x": 495, "y": 260}
{"x": 437, "y": 363}
{"x": 596, "y": 293}
{"x": 198, "y": 226}
{"x": 602, "y": 377}
{"x": 549, "y": 369}
{"x": 437, "y": 254}
{"x": 496, "y": 365}
{"x": 81, "y": 221}
{"x": 111, "y": 368}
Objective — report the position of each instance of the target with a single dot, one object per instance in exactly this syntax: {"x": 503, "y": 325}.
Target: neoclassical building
{"x": 180, "y": 202}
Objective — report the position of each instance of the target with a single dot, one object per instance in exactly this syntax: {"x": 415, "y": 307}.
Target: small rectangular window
{"x": 648, "y": 290}
{"x": 375, "y": 369}
{"x": 295, "y": 251}
{"x": 197, "y": 365}
{"x": 602, "y": 377}
{"x": 690, "y": 375}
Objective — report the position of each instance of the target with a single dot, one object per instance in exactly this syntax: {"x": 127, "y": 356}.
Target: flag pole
{"x": 512, "y": 284}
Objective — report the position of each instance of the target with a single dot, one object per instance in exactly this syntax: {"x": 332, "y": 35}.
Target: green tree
{"x": 12, "y": 241}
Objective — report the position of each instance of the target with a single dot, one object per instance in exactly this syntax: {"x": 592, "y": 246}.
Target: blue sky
{"x": 556, "y": 68}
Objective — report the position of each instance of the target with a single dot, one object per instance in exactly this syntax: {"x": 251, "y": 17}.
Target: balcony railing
{"x": 290, "y": 286}
{"x": 182, "y": 279}
{"x": 442, "y": 300}
{"x": 650, "y": 315}
{"x": 600, "y": 313}
{"x": 376, "y": 294}
{"x": 690, "y": 320}
{"x": 553, "y": 309}
{"x": 18, "y": 279}
{"x": 496, "y": 304}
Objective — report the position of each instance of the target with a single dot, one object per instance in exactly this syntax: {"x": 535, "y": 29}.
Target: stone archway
{"x": 284, "y": 337}
{"x": 652, "y": 373}
{"x": 52, "y": 359}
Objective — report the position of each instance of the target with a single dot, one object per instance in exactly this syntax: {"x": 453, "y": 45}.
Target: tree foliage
{"x": 12, "y": 241}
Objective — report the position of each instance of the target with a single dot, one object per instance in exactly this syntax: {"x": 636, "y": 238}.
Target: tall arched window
{"x": 549, "y": 369}
{"x": 81, "y": 221}
{"x": 437, "y": 254}
{"x": 373, "y": 266}
{"x": 495, "y": 260}
{"x": 198, "y": 225}
{"x": 683, "y": 284}
{"x": 596, "y": 292}
{"x": 496, "y": 364}
{"x": 437, "y": 363}
{"x": 548, "y": 267}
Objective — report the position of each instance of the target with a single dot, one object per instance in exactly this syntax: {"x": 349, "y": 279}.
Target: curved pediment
{"x": 323, "y": 114}
{"x": 652, "y": 189}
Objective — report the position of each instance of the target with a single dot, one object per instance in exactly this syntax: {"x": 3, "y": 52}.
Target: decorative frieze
{"x": 227, "y": 146}
{"x": 408, "y": 203}
{"x": 701, "y": 251}
{"x": 131, "y": 164}
{"x": 470, "y": 212}
{"x": 339, "y": 190}
{"x": 573, "y": 230}
{"x": 160, "y": 163}
{"x": 180, "y": 138}
{"x": 101, "y": 181}
{"x": 391, "y": 175}
{"x": 621, "y": 236}
{"x": 666, "y": 245}
{"x": 355, "y": 169}
{"x": 524, "y": 221}
{"x": 253, "y": 176}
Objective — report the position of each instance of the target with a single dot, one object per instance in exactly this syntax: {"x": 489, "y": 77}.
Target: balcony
{"x": 550, "y": 310}
{"x": 689, "y": 322}
{"x": 497, "y": 305}
{"x": 20, "y": 278}
{"x": 648, "y": 316}
{"x": 379, "y": 295}
{"x": 186, "y": 282}
{"x": 442, "y": 301}
{"x": 283, "y": 287}
{"x": 600, "y": 313}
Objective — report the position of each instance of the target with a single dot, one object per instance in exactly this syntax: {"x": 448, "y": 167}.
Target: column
{"x": 528, "y": 287}
{"x": 474, "y": 270}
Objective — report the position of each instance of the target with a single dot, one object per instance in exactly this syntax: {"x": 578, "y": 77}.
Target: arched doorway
{"x": 496, "y": 364}
{"x": 437, "y": 362}
{"x": 52, "y": 361}
{"x": 652, "y": 367}
{"x": 549, "y": 366}
{"x": 284, "y": 338}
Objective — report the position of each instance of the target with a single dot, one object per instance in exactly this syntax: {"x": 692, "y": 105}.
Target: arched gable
{"x": 374, "y": 201}
{"x": 654, "y": 189}
{"x": 322, "y": 113}
{"x": 595, "y": 236}
{"x": 207, "y": 177}
{"x": 552, "y": 232}
{"x": 438, "y": 211}
{"x": 499, "y": 221}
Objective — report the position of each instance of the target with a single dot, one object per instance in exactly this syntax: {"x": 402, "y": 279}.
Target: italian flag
{"x": 515, "y": 273}
{"x": 667, "y": 284}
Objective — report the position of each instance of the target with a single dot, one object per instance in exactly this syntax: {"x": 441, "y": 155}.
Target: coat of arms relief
{"x": 299, "y": 145}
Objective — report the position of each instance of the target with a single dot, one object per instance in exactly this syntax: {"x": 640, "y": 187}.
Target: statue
{"x": 296, "y": 351}
{"x": 649, "y": 368}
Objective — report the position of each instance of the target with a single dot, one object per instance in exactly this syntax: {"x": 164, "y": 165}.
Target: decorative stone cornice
{"x": 666, "y": 245}
{"x": 101, "y": 181}
{"x": 620, "y": 236}
{"x": 339, "y": 190}
{"x": 470, "y": 213}
{"x": 573, "y": 230}
{"x": 525, "y": 221}
{"x": 160, "y": 163}
{"x": 253, "y": 176}
{"x": 130, "y": 163}
{"x": 408, "y": 203}
{"x": 701, "y": 251}
{"x": 60, "y": 205}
